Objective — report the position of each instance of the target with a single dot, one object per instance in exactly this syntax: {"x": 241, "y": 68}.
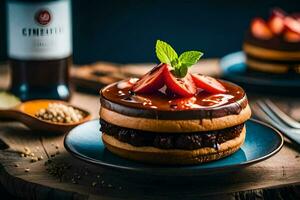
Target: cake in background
{"x": 273, "y": 45}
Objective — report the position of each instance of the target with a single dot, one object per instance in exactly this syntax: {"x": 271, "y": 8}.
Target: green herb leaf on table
{"x": 8, "y": 100}
{"x": 166, "y": 54}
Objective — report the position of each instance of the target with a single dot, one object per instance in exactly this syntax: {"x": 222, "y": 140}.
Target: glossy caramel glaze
{"x": 160, "y": 105}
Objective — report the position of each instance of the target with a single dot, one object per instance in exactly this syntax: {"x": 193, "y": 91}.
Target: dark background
{"x": 126, "y": 30}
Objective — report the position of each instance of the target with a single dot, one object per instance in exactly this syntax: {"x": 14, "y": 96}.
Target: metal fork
{"x": 276, "y": 117}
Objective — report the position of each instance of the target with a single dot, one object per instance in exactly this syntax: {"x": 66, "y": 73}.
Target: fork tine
{"x": 265, "y": 117}
{"x": 293, "y": 137}
{"x": 292, "y": 134}
{"x": 280, "y": 114}
{"x": 271, "y": 114}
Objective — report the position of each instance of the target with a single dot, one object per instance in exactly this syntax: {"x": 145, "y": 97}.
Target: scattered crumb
{"x": 94, "y": 183}
{"x": 34, "y": 159}
{"x": 27, "y": 169}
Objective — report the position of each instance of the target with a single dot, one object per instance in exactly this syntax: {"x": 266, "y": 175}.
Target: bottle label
{"x": 39, "y": 31}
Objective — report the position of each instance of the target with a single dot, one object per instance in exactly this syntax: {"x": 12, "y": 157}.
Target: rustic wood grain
{"x": 280, "y": 171}
{"x": 91, "y": 78}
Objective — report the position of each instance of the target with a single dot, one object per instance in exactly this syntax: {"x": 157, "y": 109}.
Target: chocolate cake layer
{"x": 292, "y": 63}
{"x": 275, "y": 43}
{"x": 268, "y": 67}
{"x": 160, "y": 106}
{"x": 187, "y": 141}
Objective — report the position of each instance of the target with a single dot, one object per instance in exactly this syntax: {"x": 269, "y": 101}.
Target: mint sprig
{"x": 166, "y": 54}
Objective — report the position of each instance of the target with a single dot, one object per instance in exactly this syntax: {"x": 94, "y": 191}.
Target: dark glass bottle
{"x": 39, "y": 48}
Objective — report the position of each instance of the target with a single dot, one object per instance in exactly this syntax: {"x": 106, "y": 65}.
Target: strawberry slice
{"x": 260, "y": 29}
{"x": 208, "y": 84}
{"x": 184, "y": 87}
{"x": 278, "y": 12}
{"x": 296, "y": 16}
{"x": 151, "y": 81}
{"x": 276, "y": 21}
{"x": 276, "y": 25}
{"x": 291, "y": 36}
{"x": 292, "y": 24}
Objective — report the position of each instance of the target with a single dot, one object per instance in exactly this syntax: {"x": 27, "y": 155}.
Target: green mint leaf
{"x": 190, "y": 58}
{"x": 176, "y": 63}
{"x": 165, "y": 53}
{"x": 183, "y": 71}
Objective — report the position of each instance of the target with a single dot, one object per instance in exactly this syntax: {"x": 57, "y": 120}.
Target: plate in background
{"x": 234, "y": 69}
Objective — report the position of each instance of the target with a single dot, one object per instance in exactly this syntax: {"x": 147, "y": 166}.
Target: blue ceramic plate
{"x": 234, "y": 69}
{"x": 262, "y": 141}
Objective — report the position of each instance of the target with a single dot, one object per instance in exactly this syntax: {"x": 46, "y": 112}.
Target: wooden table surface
{"x": 69, "y": 178}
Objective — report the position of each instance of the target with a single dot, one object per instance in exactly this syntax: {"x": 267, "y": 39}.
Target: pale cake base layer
{"x": 270, "y": 54}
{"x": 172, "y": 157}
{"x": 270, "y": 67}
{"x": 174, "y": 126}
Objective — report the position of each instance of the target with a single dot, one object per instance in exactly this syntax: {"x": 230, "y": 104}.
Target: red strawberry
{"x": 292, "y": 24}
{"x": 291, "y": 36}
{"x": 276, "y": 21}
{"x": 296, "y": 16}
{"x": 208, "y": 84}
{"x": 278, "y": 12}
{"x": 151, "y": 81}
{"x": 184, "y": 87}
{"x": 260, "y": 29}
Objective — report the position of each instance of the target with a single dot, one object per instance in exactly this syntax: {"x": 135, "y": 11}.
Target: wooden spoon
{"x": 25, "y": 113}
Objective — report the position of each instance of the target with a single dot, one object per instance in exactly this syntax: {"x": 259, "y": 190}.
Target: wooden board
{"x": 280, "y": 171}
{"x": 93, "y": 77}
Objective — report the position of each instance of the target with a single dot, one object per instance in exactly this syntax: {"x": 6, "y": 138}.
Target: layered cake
{"x": 170, "y": 116}
{"x": 273, "y": 46}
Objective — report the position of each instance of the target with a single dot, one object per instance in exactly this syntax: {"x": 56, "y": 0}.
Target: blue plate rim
{"x": 170, "y": 169}
{"x": 239, "y": 57}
